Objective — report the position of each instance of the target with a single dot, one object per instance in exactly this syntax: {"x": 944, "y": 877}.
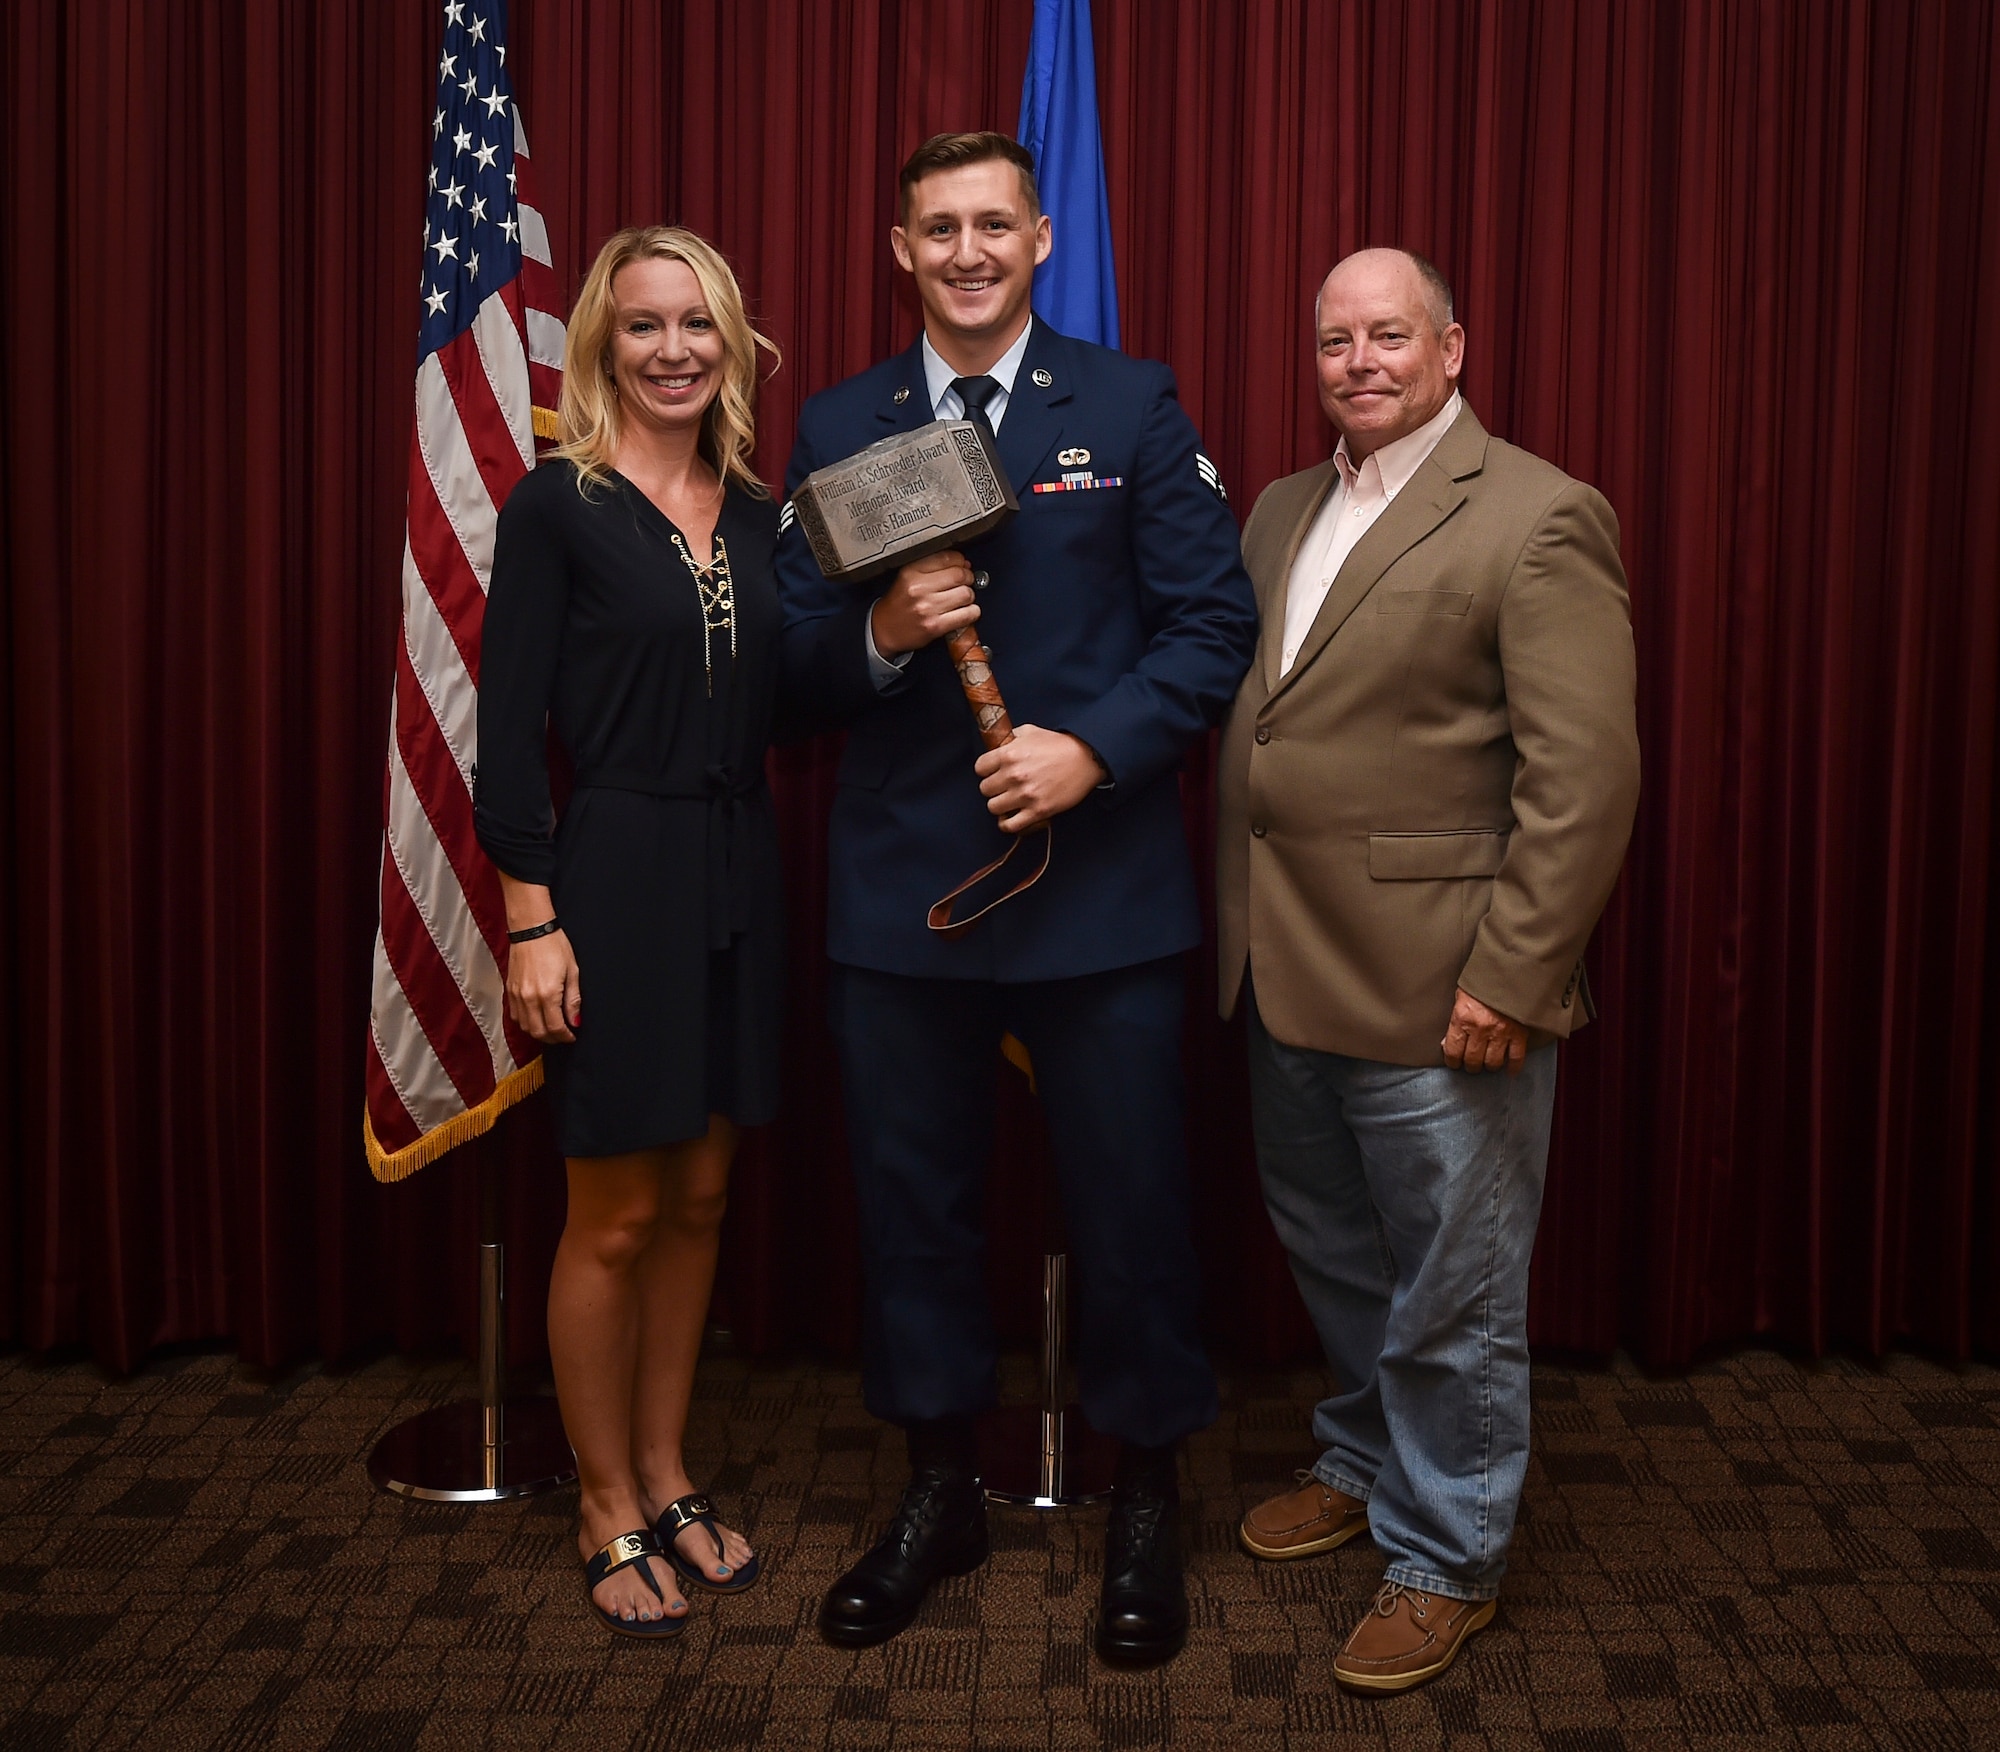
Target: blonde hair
{"x": 587, "y": 418}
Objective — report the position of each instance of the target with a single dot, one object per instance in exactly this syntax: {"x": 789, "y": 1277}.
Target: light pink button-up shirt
{"x": 1359, "y": 496}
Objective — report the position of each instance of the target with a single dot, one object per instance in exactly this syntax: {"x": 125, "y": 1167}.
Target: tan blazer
{"x": 1439, "y": 791}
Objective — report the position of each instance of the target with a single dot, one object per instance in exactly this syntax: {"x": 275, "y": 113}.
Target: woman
{"x": 633, "y": 611}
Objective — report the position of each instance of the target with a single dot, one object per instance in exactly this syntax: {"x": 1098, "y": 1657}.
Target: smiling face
{"x": 1385, "y": 366}
{"x": 973, "y": 239}
{"x": 666, "y": 353}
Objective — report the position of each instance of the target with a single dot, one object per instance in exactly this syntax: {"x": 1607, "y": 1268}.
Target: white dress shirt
{"x": 946, "y": 405}
{"x": 1358, "y": 497}
{"x": 938, "y": 379}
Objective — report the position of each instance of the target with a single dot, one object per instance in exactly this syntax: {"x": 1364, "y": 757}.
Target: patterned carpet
{"x": 1760, "y": 1555}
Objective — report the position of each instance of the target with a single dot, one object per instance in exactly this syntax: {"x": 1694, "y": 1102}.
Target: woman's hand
{"x": 544, "y": 989}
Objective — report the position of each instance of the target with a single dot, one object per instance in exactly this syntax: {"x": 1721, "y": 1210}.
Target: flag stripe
{"x": 435, "y": 1005}
{"x": 504, "y": 361}
{"x": 472, "y": 961}
{"x": 447, "y": 804}
{"x": 455, "y": 476}
{"x": 450, "y": 700}
{"x": 481, "y": 421}
{"x": 535, "y": 238}
{"x": 389, "y": 1116}
{"x": 545, "y": 339}
{"x": 439, "y": 583}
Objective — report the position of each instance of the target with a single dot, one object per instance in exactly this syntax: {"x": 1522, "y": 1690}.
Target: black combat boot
{"x": 1142, "y": 1614}
{"x": 939, "y": 1530}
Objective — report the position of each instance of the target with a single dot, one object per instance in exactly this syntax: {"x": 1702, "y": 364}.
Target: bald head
{"x": 1389, "y": 353}
{"x": 1432, "y": 287}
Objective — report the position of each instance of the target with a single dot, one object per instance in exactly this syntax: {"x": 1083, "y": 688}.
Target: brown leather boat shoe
{"x": 1303, "y": 1522}
{"x": 1408, "y": 1637}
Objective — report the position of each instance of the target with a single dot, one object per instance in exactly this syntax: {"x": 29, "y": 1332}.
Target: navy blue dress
{"x": 664, "y": 863}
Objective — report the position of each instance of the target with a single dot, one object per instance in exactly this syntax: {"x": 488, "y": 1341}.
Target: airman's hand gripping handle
{"x": 989, "y": 711}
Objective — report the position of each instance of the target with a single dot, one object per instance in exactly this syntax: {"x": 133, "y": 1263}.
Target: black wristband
{"x": 534, "y": 931}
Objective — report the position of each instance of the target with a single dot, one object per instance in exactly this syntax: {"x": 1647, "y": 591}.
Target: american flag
{"x": 443, "y": 1062}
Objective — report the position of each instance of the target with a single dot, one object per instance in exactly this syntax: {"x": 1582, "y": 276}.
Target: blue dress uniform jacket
{"x": 1119, "y": 611}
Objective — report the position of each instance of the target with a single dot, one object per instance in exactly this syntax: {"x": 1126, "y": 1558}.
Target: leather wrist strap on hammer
{"x": 982, "y": 693}
{"x": 939, "y": 917}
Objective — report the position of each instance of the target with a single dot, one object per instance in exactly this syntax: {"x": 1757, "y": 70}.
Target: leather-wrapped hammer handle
{"x": 982, "y": 691}
{"x": 989, "y": 711}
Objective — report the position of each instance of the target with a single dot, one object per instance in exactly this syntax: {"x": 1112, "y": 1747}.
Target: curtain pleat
{"x": 1730, "y": 263}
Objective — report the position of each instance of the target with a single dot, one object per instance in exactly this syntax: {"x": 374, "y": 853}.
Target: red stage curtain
{"x": 1728, "y": 262}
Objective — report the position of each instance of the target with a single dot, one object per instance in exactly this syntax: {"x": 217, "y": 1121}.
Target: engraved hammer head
{"x": 905, "y": 496}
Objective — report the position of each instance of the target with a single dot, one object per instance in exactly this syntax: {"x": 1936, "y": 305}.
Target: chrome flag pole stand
{"x": 1045, "y": 1456}
{"x": 488, "y": 1449}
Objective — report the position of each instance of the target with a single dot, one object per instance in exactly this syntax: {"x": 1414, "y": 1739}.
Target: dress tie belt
{"x": 729, "y": 899}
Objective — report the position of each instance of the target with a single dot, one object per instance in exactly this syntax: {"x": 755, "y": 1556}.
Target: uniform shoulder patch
{"x": 1211, "y": 476}
{"x": 786, "y": 516}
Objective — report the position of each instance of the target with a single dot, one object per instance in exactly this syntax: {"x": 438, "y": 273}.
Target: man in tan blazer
{"x": 1428, "y": 781}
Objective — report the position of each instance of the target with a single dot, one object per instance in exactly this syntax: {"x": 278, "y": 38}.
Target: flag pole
{"x": 492, "y": 1448}
{"x": 442, "y": 1064}
{"x": 1045, "y": 1456}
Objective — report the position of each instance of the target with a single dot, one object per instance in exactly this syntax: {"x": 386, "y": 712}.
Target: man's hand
{"x": 1479, "y": 1039}
{"x": 1037, "y": 775}
{"x": 928, "y": 599}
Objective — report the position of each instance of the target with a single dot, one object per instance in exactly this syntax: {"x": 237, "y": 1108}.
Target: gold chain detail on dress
{"x": 718, "y": 602}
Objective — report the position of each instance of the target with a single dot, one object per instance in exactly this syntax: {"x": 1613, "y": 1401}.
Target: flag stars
{"x": 471, "y": 222}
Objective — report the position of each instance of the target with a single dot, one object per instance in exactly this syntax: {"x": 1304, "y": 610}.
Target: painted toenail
{"x": 722, "y": 1569}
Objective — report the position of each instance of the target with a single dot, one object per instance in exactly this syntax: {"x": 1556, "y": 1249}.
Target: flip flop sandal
{"x": 695, "y": 1510}
{"x": 623, "y": 1552}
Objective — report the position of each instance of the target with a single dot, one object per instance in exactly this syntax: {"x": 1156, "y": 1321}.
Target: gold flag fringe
{"x": 394, "y": 1165}
{"x": 545, "y": 424}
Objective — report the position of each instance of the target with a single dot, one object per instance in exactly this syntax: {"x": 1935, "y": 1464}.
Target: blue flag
{"x": 1076, "y": 289}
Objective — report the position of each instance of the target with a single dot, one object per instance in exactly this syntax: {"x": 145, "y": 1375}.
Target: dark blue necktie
{"x": 976, "y": 392}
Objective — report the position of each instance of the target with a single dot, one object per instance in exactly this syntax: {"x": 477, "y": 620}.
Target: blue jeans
{"x": 1407, "y": 1199}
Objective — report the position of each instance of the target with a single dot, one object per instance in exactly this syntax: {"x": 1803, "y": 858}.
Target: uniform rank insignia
{"x": 785, "y": 516}
{"x": 1079, "y": 480}
{"x": 1211, "y": 476}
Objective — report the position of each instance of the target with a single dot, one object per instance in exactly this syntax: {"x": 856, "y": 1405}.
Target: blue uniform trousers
{"x": 917, "y": 1060}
